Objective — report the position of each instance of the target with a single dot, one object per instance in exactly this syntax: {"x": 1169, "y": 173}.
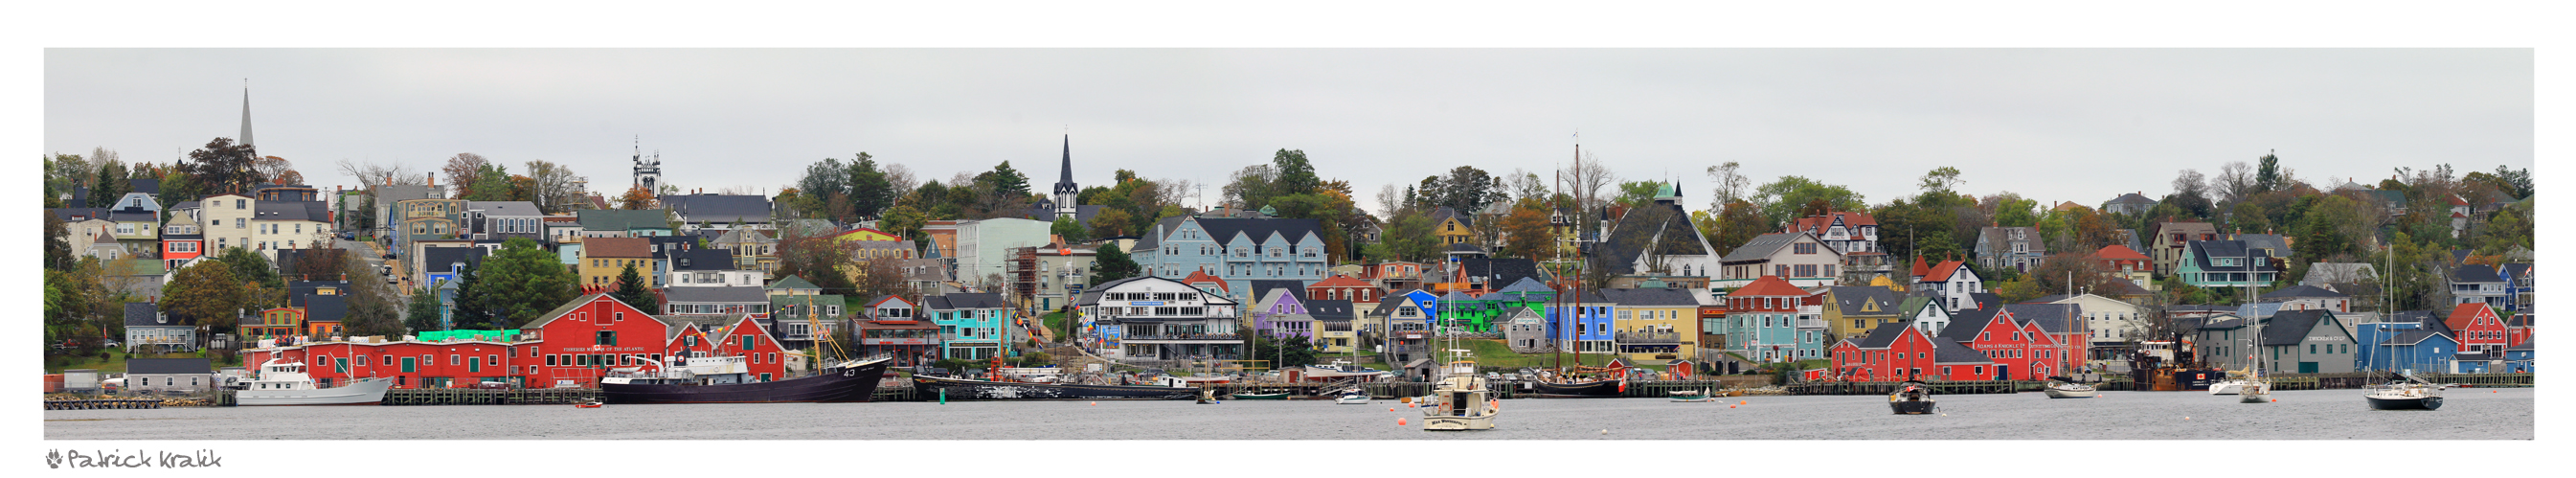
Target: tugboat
{"x": 1463, "y": 402}
{"x": 1911, "y": 398}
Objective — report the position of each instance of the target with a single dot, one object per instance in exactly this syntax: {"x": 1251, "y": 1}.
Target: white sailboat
{"x": 2406, "y": 391}
{"x": 2257, "y": 388}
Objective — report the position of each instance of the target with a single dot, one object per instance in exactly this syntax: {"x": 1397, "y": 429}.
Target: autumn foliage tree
{"x": 635, "y": 198}
{"x": 1526, "y": 232}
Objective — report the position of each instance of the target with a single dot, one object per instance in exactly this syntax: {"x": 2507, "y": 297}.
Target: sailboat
{"x": 2406, "y": 391}
{"x": 1560, "y": 384}
{"x": 2257, "y": 388}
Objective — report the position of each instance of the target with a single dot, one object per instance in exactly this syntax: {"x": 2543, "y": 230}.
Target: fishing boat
{"x": 2409, "y": 393}
{"x": 287, "y": 383}
{"x": 2062, "y": 387}
{"x": 1693, "y": 396}
{"x": 1460, "y": 399}
{"x": 1351, "y": 396}
{"x": 1911, "y": 398}
{"x": 957, "y": 388}
{"x": 727, "y": 380}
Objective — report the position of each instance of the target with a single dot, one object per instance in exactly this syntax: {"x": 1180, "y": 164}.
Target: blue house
{"x": 971, "y": 326}
{"x": 1589, "y": 328}
{"x": 2422, "y": 351}
{"x": 1234, "y": 249}
{"x": 2517, "y": 286}
{"x": 2518, "y": 358}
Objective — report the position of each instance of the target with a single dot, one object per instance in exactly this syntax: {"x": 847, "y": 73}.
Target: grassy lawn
{"x": 1055, "y": 321}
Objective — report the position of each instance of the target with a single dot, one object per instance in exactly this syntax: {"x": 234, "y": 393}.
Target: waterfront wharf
{"x": 466, "y": 396}
{"x": 1939, "y": 387}
{"x": 104, "y": 404}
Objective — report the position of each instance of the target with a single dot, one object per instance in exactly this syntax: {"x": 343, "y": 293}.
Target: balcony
{"x": 1810, "y": 322}
{"x": 1649, "y": 338}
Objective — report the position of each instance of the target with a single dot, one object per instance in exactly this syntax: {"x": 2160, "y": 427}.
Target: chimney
{"x": 433, "y": 178}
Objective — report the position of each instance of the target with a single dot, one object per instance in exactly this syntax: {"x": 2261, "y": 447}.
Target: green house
{"x": 1486, "y": 312}
{"x": 2225, "y": 264}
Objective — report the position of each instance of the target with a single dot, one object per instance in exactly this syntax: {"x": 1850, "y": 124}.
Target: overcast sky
{"x": 2051, "y": 124}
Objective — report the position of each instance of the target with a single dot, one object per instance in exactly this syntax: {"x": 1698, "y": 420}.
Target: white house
{"x": 1154, "y": 318}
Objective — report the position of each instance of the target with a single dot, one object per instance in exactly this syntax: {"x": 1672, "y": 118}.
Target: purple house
{"x": 1280, "y": 312}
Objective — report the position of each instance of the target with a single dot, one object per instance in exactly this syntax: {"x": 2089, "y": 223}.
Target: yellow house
{"x": 1654, "y": 325}
{"x": 604, "y": 258}
{"x": 1852, "y": 311}
{"x": 1451, "y": 227}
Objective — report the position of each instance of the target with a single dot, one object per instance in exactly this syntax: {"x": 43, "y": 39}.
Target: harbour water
{"x": 2484, "y": 414}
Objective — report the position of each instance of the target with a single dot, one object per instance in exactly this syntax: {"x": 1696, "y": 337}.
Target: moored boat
{"x": 1261, "y": 396}
{"x": 725, "y": 380}
{"x": 1341, "y": 369}
{"x": 972, "y": 389}
{"x": 2060, "y": 387}
{"x": 1352, "y": 396}
{"x": 1461, "y": 400}
{"x": 1590, "y": 389}
{"x": 1911, "y": 398}
{"x": 286, "y": 383}
{"x": 2408, "y": 394}
{"x": 1693, "y": 396}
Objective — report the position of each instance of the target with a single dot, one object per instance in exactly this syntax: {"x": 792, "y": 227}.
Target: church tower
{"x": 245, "y": 135}
{"x": 1065, "y": 190}
{"x": 648, "y": 172}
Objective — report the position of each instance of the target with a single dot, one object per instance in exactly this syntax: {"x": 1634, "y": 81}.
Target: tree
{"x": 822, "y": 181}
{"x": 1110, "y": 222}
{"x": 1409, "y": 237}
{"x": 879, "y": 278}
{"x": 1465, "y": 189}
{"x": 1296, "y": 175}
{"x": 1291, "y": 351}
{"x": 58, "y": 249}
{"x": 222, "y": 166}
{"x": 422, "y": 313}
{"x": 1730, "y": 184}
{"x": 1638, "y": 193}
{"x": 1738, "y": 222}
{"x": 1250, "y": 187}
{"x": 2234, "y": 182}
{"x": 2268, "y": 175}
{"x": 1781, "y": 199}
{"x": 636, "y": 198}
{"x": 630, "y": 289}
{"x": 1111, "y": 264}
{"x": 1068, "y": 229}
{"x": 555, "y": 189}
{"x": 906, "y": 221}
{"x": 463, "y": 170}
{"x": 491, "y": 183}
{"x": 1526, "y": 231}
{"x": 870, "y": 191}
{"x": 259, "y": 278}
{"x": 466, "y": 311}
{"x": 64, "y": 172}
{"x": 110, "y": 184}
{"x": 2012, "y": 210}
{"x": 517, "y": 284}
{"x": 206, "y": 293}
{"x": 817, "y": 258}
{"x": 1584, "y": 181}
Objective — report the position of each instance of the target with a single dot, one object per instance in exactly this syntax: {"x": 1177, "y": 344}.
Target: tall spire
{"x": 1065, "y": 184}
{"x": 245, "y": 134}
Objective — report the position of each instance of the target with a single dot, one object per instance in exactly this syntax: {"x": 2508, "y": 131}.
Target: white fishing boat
{"x": 2061, "y": 387}
{"x": 1460, "y": 399}
{"x": 287, "y": 383}
{"x": 1351, "y": 396}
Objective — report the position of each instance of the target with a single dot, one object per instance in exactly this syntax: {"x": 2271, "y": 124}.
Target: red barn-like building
{"x": 1893, "y": 351}
{"x": 2478, "y": 328}
{"x": 571, "y": 345}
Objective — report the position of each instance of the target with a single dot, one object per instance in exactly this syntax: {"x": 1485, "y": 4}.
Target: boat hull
{"x": 1598, "y": 389}
{"x": 967, "y": 389}
{"x": 1261, "y": 396}
{"x": 2413, "y": 403}
{"x": 2055, "y": 393}
{"x": 2230, "y": 387}
{"x": 853, "y": 384}
{"x": 1911, "y": 407}
{"x": 369, "y": 391}
{"x": 1445, "y": 423}
{"x": 1351, "y": 400}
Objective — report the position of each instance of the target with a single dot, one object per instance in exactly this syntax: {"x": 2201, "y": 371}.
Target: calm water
{"x": 2311, "y": 414}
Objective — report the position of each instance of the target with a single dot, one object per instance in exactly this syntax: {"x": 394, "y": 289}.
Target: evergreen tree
{"x": 1111, "y": 264}
{"x": 631, "y": 290}
{"x": 467, "y": 311}
{"x": 422, "y": 314}
{"x": 520, "y": 282}
{"x": 110, "y": 185}
{"x": 58, "y": 251}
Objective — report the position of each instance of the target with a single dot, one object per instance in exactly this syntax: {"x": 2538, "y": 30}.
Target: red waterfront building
{"x": 2021, "y": 350}
{"x": 1893, "y": 351}
{"x": 571, "y": 345}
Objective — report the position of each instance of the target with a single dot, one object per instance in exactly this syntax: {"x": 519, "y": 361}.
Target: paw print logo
{"x": 53, "y": 458}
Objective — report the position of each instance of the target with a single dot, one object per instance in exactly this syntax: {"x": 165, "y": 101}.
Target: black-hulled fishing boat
{"x": 972, "y": 389}
{"x": 1911, "y": 398}
{"x": 1591, "y": 389}
{"x": 725, "y": 380}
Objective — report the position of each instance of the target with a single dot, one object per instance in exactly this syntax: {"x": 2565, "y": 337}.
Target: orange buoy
{"x": 1399, "y": 422}
{"x": 1390, "y": 409}
{"x": 1730, "y": 406}
{"x": 1743, "y": 402}
{"x": 2276, "y": 400}
{"x": 1095, "y": 404}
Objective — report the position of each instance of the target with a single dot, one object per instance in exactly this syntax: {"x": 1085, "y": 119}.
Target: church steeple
{"x": 245, "y": 134}
{"x": 1065, "y": 189}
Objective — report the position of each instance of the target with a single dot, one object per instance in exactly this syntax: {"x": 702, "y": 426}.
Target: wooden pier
{"x": 462, "y": 396}
{"x": 104, "y": 404}
{"x": 1939, "y": 387}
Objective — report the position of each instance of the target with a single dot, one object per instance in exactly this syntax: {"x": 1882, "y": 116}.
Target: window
{"x": 454, "y": 359}
{"x": 1804, "y": 248}
{"x": 605, "y": 337}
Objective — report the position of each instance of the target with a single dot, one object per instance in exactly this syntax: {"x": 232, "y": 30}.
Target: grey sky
{"x": 2051, "y": 124}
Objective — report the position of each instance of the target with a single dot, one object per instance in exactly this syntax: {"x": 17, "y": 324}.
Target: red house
{"x": 2478, "y": 328}
{"x": 2123, "y": 260}
{"x": 2021, "y": 350}
{"x": 760, "y": 351}
{"x": 1893, "y": 351}
{"x": 1342, "y": 287}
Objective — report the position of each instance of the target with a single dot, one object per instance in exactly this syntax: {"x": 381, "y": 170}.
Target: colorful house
{"x": 1342, "y": 287}
{"x": 2126, "y": 263}
{"x": 1891, "y": 351}
{"x": 1855, "y": 234}
{"x": 1281, "y": 314}
{"x": 2478, "y": 328}
{"x": 1798, "y": 257}
{"x": 765, "y": 359}
{"x": 893, "y": 327}
{"x": 972, "y": 326}
{"x": 1654, "y": 324}
{"x": 1584, "y": 324}
{"x": 2307, "y": 341}
{"x": 1335, "y": 325}
{"x": 1955, "y": 283}
{"x": 1766, "y": 321}
{"x": 1852, "y": 311}
{"x": 2209, "y": 264}
{"x": 2021, "y": 350}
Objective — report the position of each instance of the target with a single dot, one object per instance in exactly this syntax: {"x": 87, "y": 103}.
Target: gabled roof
{"x": 169, "y": 366}
{"x": 1966, "y": 323}
{"x": 1762, "y": 246}
{"x": 1331, "y": 309}
{"x": 1767, "y": 286}
{"x": 2132, "y": 198}
{"x": 795, "y": 282}
{"x": 718, "y": 208}
{"x": 2412, "y": 337}
{"x": 622, "y": 219}
{"x": 1817, "y": 224}
{"x": 291, "y": 211}
{"x": 745, "y": 235}
{"x": 617, "y": 247}
{"x": 2514, "y": 270}
{"x": 2339, "y": 272}
{"x": 1884, "y": 335}
{"x": 1947, "y": 351}
{"x": 1195, "y": 278}
{"x": 569, "y": 306}
{"x": 2052, "y": 318}
{"x": 2462, "y": 314}
{"x": 968, "y": 300}
{"x": 1942, "y": 273}
{"x": 1650, "y": 297}
{"x": 1386, "y": 306}
{"x": 2525, "y": 345}
{"x": 1662, "y": 229}
{"x": 2289, "y": 327}
{"x": 2304, "y": 291}
{"x": 702, "y": 260}
{"x": 2193, "y": 230}
{"x": 2279, "y": 246}
{"x": 1856, "y": 300}
{"x": 144, "y": 314}
{"x": 880, "y": 301}
{"x": 504, "y": 208}
{"x": 1225, "y": 230}
{"x": 2475, "y": 273}
{"x": 1498, "y": 271}
{"x": 2223, "y": 322}
{"x": 741, "y": 294}
{"x": 1526, "y": 285}
{"x": 2203, "y": 251}
{"x": 2117, "y": 252}
{"x": 440, "y": 259}
{"x": 1338, "y": 280}
{"x": 1262, "y": 288}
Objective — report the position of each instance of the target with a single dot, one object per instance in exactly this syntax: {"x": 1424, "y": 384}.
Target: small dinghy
{"x": 2061, "y": 387}
{"x": 1911, "y": 398}
{"x": 1693, "y": 396}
